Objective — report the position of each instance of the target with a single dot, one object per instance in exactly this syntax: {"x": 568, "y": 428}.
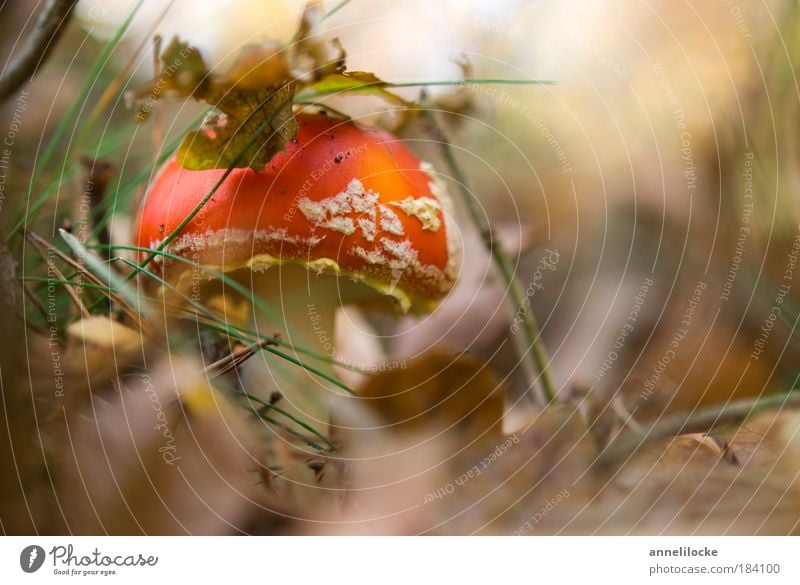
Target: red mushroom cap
{"x": 342, "y": 198}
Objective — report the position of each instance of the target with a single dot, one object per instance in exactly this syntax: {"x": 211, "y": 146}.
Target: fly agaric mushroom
{"x": 345, "y": 214}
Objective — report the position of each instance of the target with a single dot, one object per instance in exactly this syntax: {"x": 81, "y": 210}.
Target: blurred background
{"x": 646, "y": 197}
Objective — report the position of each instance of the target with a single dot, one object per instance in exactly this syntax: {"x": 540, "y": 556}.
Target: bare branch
{"x": 699, "y": 421}
{"x": 49, "y": 27}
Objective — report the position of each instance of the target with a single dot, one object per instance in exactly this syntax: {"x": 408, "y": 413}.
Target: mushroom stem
{"x": 303, "y": 308}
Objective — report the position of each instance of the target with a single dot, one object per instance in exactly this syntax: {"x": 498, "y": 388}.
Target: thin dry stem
{"x": 700, "y": 421}
{"x": 51, "y": 265}
{"x": 537, "y": 354}
{"x": 51, "y": 24}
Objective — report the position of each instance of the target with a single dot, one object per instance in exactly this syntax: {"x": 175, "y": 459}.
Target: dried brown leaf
{"x": 253, "y": 119}
{"x": 256, "y": 125}
{"x": 438, "y": 391}
{"x": 259, "y": 66}
{"x": 183, "y": 73}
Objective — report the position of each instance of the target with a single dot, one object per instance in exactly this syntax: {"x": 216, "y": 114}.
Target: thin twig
{"x": 501, "y": 259}
{"x": 46, "y": 255}
{"x": 236, "y": 358}
{"x": 699, "y": 421}
{"x": 51, "y": 24}
{"x": 98, "y": 174}
{"x": 118, "y": 298}
{"x": 31, "y": 325}
{"x": 34, "y": 300}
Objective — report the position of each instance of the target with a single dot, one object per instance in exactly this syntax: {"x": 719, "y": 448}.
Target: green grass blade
{"x": 305, "y": 96}
{"x": 288, "y": 415}
{"x": 76, "y": 283}
{"x": 259, "y": 303}
{"x": 336, "y": 8}
{"x": 251, "y": 338}
{"x": 103, "y": 149}
{"x": 123, "y": 194}
{"x": 72, "y": 112}
{"x": 104, "y": 272}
